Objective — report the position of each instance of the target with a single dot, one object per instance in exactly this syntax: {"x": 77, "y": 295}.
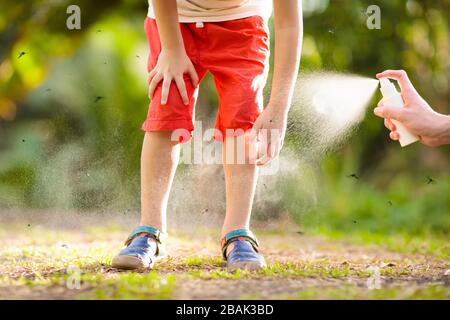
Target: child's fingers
{"x": 262, "y": 151}
{"x": 254, "y": 132}
{"x": 394, "y": 135}
{"x": 165, "y": 89}
{"x": 267, "y": 157}
{"x": 263, "y": 157}
{"x": 155, "y": 80}
{"x": 253, "y": 152}
{"x": 182, "y": 89}
{"x": 268, "y": 148}
{"x": 150, "y": 76}
{"x": 194, "y": 76}
{"x": 255, "y": 140}
{"x": 254, "y": 146}
{"x": 273, "y": 148}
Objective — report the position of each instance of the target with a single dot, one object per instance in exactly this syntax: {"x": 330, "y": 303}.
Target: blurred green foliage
{"x": 71, "y": 108}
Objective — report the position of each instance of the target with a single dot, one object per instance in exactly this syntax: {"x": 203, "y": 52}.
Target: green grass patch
{"x": 429, "y": 292}
{"x": 426, "y": 244}
{"x": 314, "y": 269}
{"x": 130, "y": 286}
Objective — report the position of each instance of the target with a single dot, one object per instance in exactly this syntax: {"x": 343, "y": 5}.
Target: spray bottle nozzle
{"x": 385, "y": 82}
{"x": 387, "y": 87}
{"x": 394, "y": 99}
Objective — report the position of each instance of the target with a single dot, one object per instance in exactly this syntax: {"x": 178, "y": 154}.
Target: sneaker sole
{"x": 128, "y": 263}
{"x": 249, "y": 266}
{"x": 131, "y": 263}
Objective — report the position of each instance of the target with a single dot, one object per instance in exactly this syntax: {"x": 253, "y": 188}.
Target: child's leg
{"x": 240, "y": 180}
{"x": 240, "y": 72}
{"x": 160, "y": 154}
{"x": 159, "y": 161}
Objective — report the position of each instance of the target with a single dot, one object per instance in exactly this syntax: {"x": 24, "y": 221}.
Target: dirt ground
{"x": 37, "y": 256}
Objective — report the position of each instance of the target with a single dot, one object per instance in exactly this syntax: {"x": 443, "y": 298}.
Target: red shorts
{"x": 236, "y": 52}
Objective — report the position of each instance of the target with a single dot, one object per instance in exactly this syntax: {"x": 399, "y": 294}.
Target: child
{"x": 230, "y": 39}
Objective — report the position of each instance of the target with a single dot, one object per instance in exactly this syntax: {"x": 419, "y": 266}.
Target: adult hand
{"x": 417, "y": 115}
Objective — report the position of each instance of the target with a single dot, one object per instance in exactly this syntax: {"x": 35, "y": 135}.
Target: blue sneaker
{"x": 139, "y": 253}
{"x": 244, "y": 254}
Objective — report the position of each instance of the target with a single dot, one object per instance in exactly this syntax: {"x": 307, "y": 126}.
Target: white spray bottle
{"x": 393, "y": 98}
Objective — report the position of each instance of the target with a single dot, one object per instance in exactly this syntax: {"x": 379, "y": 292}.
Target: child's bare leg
{"x": 159, "y": 161}
{"x": 240, "y": 180}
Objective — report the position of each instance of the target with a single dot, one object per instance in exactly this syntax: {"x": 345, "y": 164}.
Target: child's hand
{"x": 172, "y": 65}
{"x": 269, "y": 129}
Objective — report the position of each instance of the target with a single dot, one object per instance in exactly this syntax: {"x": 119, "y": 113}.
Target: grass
{"x": 99, "y": 286}
{"x": 132, "y": 286}
{"x": 429, "y": 292}
{"x": 38, "y": 262}
{"x": 278, "y": 269}
{"x": 198, "y": 261}
{"x": 425, "y": 244}
{"x": 312, "y": 269}
{"x": 405, "y": 206}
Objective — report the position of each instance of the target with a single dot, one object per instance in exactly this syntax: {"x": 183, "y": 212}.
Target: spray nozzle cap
{"x": 387, "y": 87}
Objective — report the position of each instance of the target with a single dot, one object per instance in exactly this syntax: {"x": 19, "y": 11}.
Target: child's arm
{"x": 173, "y": 61}
{"x": 288, "y": 43}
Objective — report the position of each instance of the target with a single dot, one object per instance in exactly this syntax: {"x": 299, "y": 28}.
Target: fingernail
{"x": 376, "y": 111}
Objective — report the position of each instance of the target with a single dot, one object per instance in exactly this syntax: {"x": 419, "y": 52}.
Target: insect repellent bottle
{"x": 393, "y": 98}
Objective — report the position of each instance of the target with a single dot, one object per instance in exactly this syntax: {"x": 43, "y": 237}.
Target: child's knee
{"x": 164, "y": 138}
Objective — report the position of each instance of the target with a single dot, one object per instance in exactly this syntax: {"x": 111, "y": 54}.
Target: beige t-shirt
{"x": 219, "y": 10}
